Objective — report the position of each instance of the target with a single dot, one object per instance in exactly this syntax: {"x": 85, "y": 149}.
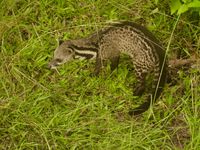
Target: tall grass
{"x": 41, "y": 109}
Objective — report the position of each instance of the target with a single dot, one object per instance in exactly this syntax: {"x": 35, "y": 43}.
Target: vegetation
{"x": 42, "y": 109}
{"x": 184, "y": 6}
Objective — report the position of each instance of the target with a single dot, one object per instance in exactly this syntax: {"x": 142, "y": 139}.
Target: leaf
{"x": 195, "y": 4}
{"x": 175, "y": 5}
{"x": 186, "y": 1}
{"x": 183, "y": 9}
{"x": 154, "y": 11}
{"x": 156, "y": 1}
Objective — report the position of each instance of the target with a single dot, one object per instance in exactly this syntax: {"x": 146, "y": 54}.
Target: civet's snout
{"x": 53, "y": 64}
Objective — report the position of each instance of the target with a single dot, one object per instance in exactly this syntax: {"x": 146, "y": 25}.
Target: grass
{"x": 41, "y": 109}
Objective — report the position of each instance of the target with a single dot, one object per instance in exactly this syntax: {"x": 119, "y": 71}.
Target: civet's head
{"x": 63, "y": 53}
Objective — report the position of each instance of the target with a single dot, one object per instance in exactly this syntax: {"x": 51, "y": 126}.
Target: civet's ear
{"x": 60, "y": 41}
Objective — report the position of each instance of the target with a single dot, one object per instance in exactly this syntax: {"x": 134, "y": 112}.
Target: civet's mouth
{"x": 53, "y": 65}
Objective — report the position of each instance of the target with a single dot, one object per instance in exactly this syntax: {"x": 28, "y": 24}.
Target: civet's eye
{"x": 58, "y": 60}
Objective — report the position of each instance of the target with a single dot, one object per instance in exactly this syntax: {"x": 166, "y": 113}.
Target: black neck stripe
{"x": 84, "y": 48}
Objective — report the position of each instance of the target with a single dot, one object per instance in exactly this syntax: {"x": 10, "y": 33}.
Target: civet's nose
{"x": 51, "y": 65}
